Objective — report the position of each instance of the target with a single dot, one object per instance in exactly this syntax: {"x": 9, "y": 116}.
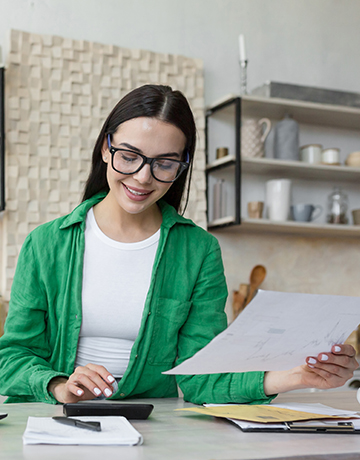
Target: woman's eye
{"x": 166, "y": 164}
{"x": 128, "y": 157}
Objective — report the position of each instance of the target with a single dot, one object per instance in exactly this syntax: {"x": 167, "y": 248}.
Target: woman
{"x": 123, "y": 287}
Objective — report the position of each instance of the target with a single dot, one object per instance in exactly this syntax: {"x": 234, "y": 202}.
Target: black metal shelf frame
{"x": 237, "y": 102}
{"x": 2, "y": 138}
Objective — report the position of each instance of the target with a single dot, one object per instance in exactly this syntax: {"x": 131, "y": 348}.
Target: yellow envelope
{"x": 259, "y": 413}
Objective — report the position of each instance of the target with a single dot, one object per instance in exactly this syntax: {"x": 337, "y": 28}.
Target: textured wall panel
{"x": 59, "y": 92}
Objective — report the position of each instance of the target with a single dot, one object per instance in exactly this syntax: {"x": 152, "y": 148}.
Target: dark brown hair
{"x": 156, "y": 101}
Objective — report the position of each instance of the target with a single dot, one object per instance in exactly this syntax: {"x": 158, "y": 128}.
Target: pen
{"x": 93, "y": 426}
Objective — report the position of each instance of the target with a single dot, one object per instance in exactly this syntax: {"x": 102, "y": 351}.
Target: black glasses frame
{"x": 146, "y": 160}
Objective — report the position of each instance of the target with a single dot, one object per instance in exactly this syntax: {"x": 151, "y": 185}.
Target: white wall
{"x": 311, "y": 42}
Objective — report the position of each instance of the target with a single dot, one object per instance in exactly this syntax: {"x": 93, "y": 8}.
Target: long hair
{"x": 155, "y": 101}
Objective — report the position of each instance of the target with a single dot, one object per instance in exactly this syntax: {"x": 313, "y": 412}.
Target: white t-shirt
{"x": 116, "y": 280}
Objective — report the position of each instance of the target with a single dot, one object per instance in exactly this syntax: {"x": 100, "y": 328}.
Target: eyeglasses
{"x": 128, "y": 162}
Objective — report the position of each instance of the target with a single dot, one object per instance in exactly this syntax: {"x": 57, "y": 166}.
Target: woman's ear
{"x": 105, "y": 151}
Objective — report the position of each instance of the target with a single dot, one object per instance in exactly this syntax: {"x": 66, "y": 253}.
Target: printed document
{"x": 275, "y": 332}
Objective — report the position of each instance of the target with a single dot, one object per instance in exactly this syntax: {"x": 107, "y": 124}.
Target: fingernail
{"x": 312, "y": 361}
{"x": 312, "y": 367}
{"x": 97, "y": 391}
{"x": 107, "y": 392}
{"x": 324, "y": 357}
{"x": 79, "y": 392}
{"x": 337, "y": 348}
{"x": 111, "y": 378}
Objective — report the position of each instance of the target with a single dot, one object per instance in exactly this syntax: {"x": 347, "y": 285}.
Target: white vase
{"x": 278, "y": 197}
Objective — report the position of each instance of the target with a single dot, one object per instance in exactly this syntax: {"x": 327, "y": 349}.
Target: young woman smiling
{"x": 107, "y": 298}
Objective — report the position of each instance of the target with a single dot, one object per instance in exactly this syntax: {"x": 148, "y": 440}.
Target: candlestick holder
{"x": 243, "y": 77}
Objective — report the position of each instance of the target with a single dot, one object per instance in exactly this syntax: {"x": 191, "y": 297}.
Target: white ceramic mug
{"x": 305, "y": 212}
{"x": 311, "y": 153}
{"x": 278, "y": 197}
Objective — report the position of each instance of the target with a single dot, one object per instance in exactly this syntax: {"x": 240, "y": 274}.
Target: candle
{"x": 242, "y": 51}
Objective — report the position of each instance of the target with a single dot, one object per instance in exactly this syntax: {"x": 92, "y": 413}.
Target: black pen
{"x": 93, "y": 426}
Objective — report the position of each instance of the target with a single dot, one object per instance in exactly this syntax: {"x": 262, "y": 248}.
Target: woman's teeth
{"x": 136, "y": 193}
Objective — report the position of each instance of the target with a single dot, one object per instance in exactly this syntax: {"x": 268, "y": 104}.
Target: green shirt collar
{"x": 78, "y": 215}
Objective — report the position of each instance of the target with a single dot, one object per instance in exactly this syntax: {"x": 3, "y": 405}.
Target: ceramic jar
{"x": 253, "y": 135}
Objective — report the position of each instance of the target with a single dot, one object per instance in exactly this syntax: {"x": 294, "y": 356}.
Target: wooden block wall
{"x": 58, "y": 93}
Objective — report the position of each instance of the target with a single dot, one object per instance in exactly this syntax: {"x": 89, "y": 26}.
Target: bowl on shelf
{"x": 353, "y": 159}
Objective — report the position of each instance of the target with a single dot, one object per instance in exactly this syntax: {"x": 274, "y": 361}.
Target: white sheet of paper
{"x": 114, "y": 431}
{"x": 275, "y": 332}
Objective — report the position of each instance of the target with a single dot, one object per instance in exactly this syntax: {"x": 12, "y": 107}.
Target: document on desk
{"x": 114, "y": 431}
{"x": 287, "y": 417}
{"x": 275, "y": 332}
{"x": 272, "y": 413}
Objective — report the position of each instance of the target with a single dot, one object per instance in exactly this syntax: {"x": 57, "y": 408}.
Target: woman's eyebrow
{"x": 131, "y": 147}
{"x": 162, "y": 155}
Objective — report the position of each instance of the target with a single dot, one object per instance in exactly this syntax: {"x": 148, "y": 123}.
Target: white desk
{"x": 183, "y": 435}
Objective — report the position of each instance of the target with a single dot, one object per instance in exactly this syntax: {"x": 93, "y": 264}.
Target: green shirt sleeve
{"x": 206, "y": 320}
{"x": 25, "y": 352}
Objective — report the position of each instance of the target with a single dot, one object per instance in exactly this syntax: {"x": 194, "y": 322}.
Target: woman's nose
{"x": 144, "y": 175}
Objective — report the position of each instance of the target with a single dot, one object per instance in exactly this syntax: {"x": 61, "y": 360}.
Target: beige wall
{"x": 58, "y": 93}
{"x": 293, "y": 263}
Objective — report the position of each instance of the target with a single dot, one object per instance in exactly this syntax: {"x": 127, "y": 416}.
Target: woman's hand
{"x": 326, "y": 370}
{"x": 87, "y": 382}
{"x": 330, "y": 370}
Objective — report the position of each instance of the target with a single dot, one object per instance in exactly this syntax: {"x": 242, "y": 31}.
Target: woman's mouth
{"x": 136, "y": 194}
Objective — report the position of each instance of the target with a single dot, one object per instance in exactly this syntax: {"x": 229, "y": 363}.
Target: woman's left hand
{"x": 324, "y": 371}
{"x": 330, "y": 370}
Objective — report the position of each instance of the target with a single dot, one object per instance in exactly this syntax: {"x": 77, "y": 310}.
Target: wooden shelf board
{"x": 303, "y": 112}
{"x": 221, "y": 162}
{"x": 300, "y": 170}
{"x": 299, "y": 228}
{"x": 222, "y": 221}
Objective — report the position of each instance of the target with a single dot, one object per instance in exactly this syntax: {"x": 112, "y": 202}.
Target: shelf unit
{"x": 274, "y": 108}
{"x": 233, "y": 160}
{"x": 2, "y": 138}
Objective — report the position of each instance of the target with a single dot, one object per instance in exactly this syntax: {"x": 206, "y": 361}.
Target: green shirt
{"x": 183, "y": 311}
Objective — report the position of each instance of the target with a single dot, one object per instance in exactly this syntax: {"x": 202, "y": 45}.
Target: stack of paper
{"x": 114, "y": 431}
{"x": 273, "y": 413}
{"x": 275, "y": 416}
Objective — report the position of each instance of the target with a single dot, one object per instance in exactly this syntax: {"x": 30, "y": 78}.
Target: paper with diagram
{"x": 277, "y": 331}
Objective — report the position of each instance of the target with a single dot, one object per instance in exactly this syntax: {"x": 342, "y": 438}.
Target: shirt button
{"x": 75, "y": 316}
{"x": 122, "y": 394}
{"x": 136, "y": 356}
{"x": 149, "y": 313}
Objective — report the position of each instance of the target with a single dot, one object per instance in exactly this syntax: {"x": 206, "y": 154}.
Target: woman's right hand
{"x": 87, "y": 382}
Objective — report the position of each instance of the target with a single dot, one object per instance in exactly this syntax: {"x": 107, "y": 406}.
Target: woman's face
{"x": 153, "y": 138}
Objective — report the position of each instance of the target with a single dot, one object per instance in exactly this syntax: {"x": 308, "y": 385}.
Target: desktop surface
{"x": 178, "y": 435}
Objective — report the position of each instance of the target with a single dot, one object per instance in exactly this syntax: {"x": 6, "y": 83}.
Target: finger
{"x": 86, "y": 381}
{"x": 103, "y": 372}
{"x": 344, "y": 349}
{"x": 343, "y": 372}
{"x": 75, "y": 390}
{"x": 99, "y": 386}
{"x": 345, "y": 361}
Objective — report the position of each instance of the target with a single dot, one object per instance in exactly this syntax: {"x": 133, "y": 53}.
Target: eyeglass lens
{"x": 130, "y": 162}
